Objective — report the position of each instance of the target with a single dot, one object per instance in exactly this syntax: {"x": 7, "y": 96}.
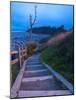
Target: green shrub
{"x": 30, "y": 48}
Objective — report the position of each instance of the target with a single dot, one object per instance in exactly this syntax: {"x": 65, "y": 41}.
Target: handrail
{"x": 20, "y": 47}
{"x": 15, "y": 52}
{"x": 14, "y": 61}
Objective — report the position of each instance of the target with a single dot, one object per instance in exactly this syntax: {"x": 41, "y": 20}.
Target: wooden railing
{"x": 20, "y": 54}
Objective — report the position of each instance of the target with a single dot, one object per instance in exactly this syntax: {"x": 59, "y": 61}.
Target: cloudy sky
{"x": 47, "y": 15}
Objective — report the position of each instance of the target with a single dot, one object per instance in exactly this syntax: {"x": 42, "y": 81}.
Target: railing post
{"x": 20, "y": 56}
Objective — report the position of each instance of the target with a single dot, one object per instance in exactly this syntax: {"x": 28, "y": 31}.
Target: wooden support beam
{"x": 20, "y": 57}
{"x": 14, "y": 61}
{"x": 14, "y": 52}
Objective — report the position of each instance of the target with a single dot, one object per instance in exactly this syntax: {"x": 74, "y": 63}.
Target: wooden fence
{"x": 18, "y": 56}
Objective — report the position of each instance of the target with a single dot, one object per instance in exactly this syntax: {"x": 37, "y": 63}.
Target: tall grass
{"x": 15, "y": 68}
{"x": 61, "y": 57}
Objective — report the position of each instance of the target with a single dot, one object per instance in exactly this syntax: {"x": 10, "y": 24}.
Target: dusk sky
{"x": 47, "y": 15}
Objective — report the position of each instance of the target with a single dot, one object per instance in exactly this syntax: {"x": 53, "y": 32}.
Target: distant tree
{"x": 32, "y": 22}
{"x": 61, "y": 29}
{"x": 48, "y": 30}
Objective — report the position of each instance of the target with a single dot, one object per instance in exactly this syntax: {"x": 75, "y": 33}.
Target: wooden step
{"x": 41, "y": 83}
{"x": 43, "y": 93}
{"x": 31, "y": 68}
{"x": 37, "y": 78}
{"x": 36, "y": 73}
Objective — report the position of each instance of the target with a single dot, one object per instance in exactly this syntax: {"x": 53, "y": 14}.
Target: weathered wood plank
{"x": 43, "y": 93}
{"x": 14, "y": 52}
{"x": 16, "y": 85}
{"x": 37, "y": 78}
{"x": 36, "y": 71}
{"x": 14, "y": 61}
{"x": 61, "y": 78}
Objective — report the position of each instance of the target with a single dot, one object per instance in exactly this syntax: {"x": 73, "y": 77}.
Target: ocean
{"x": 24, "y": 36}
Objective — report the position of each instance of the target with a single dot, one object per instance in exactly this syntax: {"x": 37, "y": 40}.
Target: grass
{"x": 61, "y": 57}
{"x": 15, "y": 68}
